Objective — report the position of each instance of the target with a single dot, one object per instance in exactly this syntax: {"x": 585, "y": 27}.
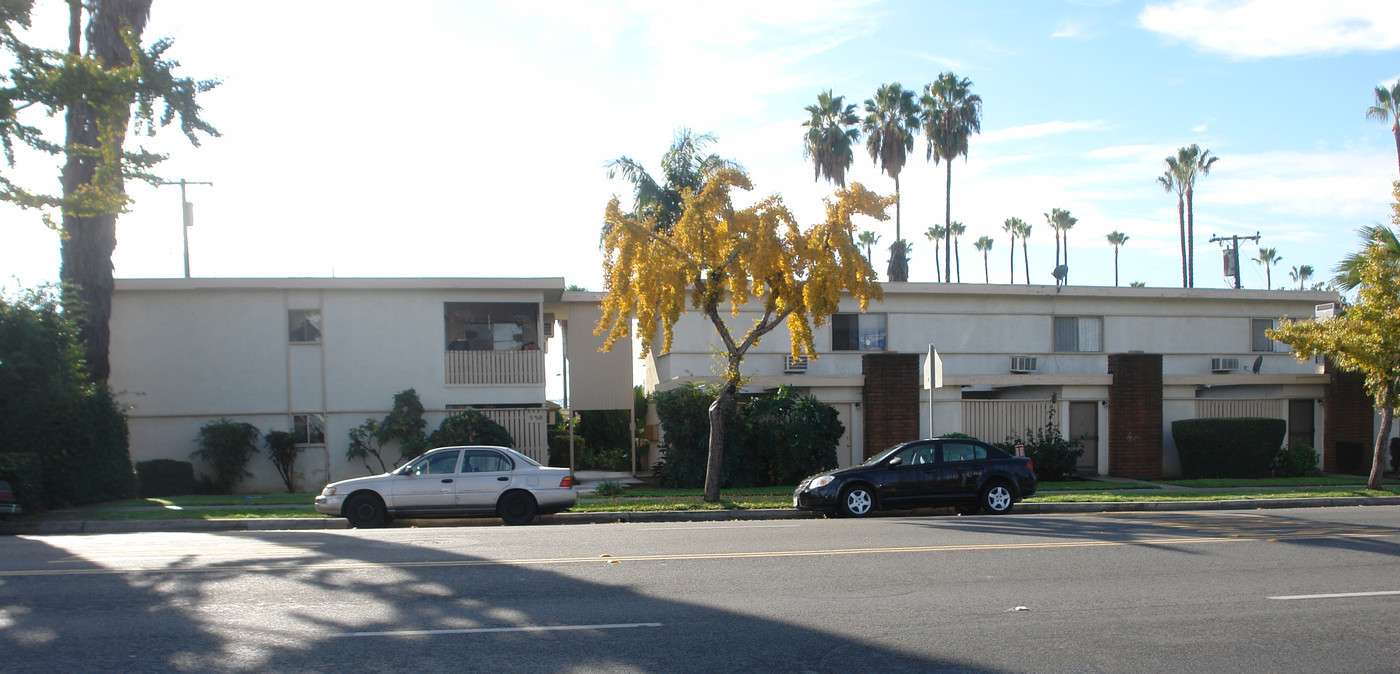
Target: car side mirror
{"x": 896, "y": 461}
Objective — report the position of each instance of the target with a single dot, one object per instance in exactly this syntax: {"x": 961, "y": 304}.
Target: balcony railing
{"x": 494, "y": 367}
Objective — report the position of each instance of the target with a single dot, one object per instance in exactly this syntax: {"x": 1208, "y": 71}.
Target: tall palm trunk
{"x": 957, "y": 259}
{"x": 1395, "y": 129}
{"x": 89, "y": 240}
{"x": 898, "y": 270}
{"x": 986, "y": 269}
{"x": 937, "y": 262}
{"x": 1013, "y": 259}
{"x": 1190, "y": 240}
{"x": 1181, "y": 221}
{"x": 1115, "y": 266}
{"x": 948, "y": 224}
{"x": 1026, "y": 258}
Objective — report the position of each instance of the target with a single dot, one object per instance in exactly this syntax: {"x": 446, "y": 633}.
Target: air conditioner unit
{"x": 548, "y": 325}
{"x": 1221, "y": 365}
{"x": 796, "y": 365}
{"x": 1022, "y": 364}
{"x": 1323, "y": 312}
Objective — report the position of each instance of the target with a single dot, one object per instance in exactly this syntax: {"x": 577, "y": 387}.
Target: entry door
{"x": 1084, "y": 425}
{"x": 844, "y": 458}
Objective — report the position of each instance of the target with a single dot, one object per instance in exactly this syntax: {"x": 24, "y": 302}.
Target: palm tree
{"x": 869, "y": 239}
{"x": 1064, "y": 222}
{"x": 1268, "y": 257}
{"x": 831, "y": 135}
{"x": 984, "y": 244}
{"x": 1117, "y": 239}
{"x": 952, "y": 113}
{"x": 684, "y": 166}
{"x": 890, "y": 122}
{"x": 1189, "y": 164}
{"x": 1301, "y": 274}
{"x": 1169, "y": 183}
{"x": 1012, "y": 226}
{"x": 935, "y": 234}
{"x": 1387, "y": 109}
{"x": 955, "y": 230}
{"x": 1023, "y": 230}
{"x": 1050, "y": 221}
{"x": 1349, "y": 269}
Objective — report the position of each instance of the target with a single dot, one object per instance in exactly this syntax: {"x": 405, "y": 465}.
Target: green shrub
{"x": 225, "y": 446}
{"x": 1395, "y": 455}
{"x": 609, "y": 489}
{"x": 559, "y": 446}
{"x": 405, "y": 425}
{"x": 469, "y": 428}
{"x": 25, "y": 474}
{"x": 1055, "y": 458}
{"x": 684, "y": 414}
{"x": 283, "y": 450}
{"x": 1296, "y": 461}
{"x": 1228, "y": 448}
{"x": 164, "y": 477}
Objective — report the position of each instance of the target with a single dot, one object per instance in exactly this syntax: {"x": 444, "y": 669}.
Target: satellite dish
{"x": 1257, "y": 362}
{"x": 1060, "y": 273}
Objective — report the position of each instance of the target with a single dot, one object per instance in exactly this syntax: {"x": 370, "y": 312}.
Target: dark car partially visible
{"x": 969, "y": 475}
{"x": 8, "y": 506}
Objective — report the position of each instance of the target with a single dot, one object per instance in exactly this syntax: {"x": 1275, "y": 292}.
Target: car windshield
{"x": 881, "y": 456}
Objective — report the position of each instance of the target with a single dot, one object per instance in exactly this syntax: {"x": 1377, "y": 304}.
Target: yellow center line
{"x": 350, "y": 566}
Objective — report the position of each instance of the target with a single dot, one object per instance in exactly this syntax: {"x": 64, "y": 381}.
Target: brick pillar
{"x": 1135, "y": 415}
{"x": 1348, "y": 422}
{"x": 890, "y": 400}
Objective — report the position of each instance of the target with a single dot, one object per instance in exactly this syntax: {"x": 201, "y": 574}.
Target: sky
{"x": 469, "y": 139}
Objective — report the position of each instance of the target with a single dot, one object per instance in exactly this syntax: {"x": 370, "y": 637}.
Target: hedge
{"x": 1242, "y": 447}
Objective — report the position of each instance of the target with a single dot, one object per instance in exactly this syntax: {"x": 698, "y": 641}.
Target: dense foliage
{"x": 165, "y": 477}
{"x": 283, "y": 450}
{"x": 774, "y": 440}
{"x": 404, "y": 427}
{"x": 1242, "y": 447}
{"x": 470, "y": 428}
{"x": 63, "y": 441}
{"x": 1296, "y": 461}
{"x": 1055, "y": 458}
{"x": 225, "y": 446}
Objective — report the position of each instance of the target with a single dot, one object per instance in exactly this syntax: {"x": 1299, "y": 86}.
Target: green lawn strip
{"x": 214, "y": 500}
{"x": 1233, "y": 495}
{"x": 193, "y": 514}
{"x": 1212, "y": 483}
{"x": 1091, "y": 485}
{"x": 652, "y": 504}
{"x": 737, "y": 491}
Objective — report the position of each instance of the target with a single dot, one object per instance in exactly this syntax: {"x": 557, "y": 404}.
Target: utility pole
{"x": 1232, "y": 253}
{"x": 186, "y": 214}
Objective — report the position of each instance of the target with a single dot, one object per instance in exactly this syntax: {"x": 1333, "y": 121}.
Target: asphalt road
{"x": 1304, "y": 590}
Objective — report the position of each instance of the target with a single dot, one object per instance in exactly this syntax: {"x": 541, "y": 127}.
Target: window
{"x": 491, "y": 326}
{"x": 1261, "y": 341}
{"x": 858, "y": 332}
{"x": 485, "y": 461}
{"x": 439, "y": 463}
{"x": 1078, "y": 333}
{"x": 963, "y": 451}
{"x": 304, "y": 326}
{"x": 310, "y": 429}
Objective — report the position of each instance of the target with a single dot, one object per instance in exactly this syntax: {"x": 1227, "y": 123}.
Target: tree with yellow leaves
{"x": 1363, "y": 339}
{"x": 716, "y": 255}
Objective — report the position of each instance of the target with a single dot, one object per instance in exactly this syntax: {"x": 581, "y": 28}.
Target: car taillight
{"x": 1031, "y": 465}
{"x": 568, "y": 481}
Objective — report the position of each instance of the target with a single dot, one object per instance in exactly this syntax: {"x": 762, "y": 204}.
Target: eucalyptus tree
{"x": 1012, "y": 226}
{"x": 1387, "y": 109}
{"x": 1116, "y": 239}
{"x": 891, "y": 120}
{"x": 684, "y": 166}
{"x": 936, "y": 234}
{"x": 1301, "y": 274}
{"x": 832, "y": 133}
{"x": 984, "y": 244}
{"x": 869, "y": 239}
{"x": 956, "y": 230}
{"x": 1190, "y": 163}
{"x": 1268, "y": 257}
{"x": 1023, "y": 230}
{"x": 952, "y": 113}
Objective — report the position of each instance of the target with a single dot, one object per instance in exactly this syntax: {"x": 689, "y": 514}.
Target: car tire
{"x": 997, "y": 499}
{"x": 857, "y": 501}
{"x": 517, "y": 508}
{"x": 365, "y": 511}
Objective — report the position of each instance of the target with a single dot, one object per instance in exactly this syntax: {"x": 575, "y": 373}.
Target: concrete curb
{"x": 329, "y": 523}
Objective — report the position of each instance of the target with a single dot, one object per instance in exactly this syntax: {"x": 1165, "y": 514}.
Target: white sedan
{"x": 453, "y": 482}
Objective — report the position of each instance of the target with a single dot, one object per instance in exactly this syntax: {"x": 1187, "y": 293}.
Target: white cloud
{"x": 1042, "y": 129}
{"x": 1068, "y": 28}
{"x": 1270, "y": 28}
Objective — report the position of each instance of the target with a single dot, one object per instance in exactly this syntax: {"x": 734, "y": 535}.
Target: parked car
{"x": 453, "y": 482}
{"x": 8, "y": 507}
{"x": 967, "y": 474}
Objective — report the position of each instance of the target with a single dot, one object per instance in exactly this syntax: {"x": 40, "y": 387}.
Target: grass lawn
{"x": 1320, "y": 481}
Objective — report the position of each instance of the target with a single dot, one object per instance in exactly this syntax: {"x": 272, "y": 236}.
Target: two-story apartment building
{"x": 1119, "y": 364}
{"x": 319, "y": 356}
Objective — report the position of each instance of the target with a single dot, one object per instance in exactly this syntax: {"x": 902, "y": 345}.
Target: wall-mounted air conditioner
{"x": 796, "y": 365}
{"x": 1222, "y": 364}
{"x": 1322, "y": 312}
{"x": 1022, "y": 364}
{"x": 548, "y": 324}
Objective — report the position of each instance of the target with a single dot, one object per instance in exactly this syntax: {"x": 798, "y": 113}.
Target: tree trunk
{"x": 898, "y": 270}
{"x": 1026, "y": 258}
{"x": 937, "y": 261}
{"x": 948, "y": 225}
{"x": 1181, "y": 221}
{"x": 1013, "y": 260}
{"x": 1115, "y": 266}
{"x": 957, "y": 257}
{"x": 1190, "y": 240}
{"x": 1382, "y": 448}
{"x": 1395, "y": 129}
{"x": 986, "y": 269}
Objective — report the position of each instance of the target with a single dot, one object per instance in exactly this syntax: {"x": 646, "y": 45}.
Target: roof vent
{"x": 1022, "y": 364}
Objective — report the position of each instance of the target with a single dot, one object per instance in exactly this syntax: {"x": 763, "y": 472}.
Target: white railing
{"x": 997, "y": 420}
{"x": 527, "y": 427}
{"x": 494, "y": 367}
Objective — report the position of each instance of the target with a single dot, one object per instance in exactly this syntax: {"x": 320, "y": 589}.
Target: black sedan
{"x": 967, "y": 474}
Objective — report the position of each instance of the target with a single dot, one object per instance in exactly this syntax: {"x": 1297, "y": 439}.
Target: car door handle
{"x": 447, "y": 479}
{"x": 502, "y": 479}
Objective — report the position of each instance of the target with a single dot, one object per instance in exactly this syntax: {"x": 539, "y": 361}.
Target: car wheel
{"x": 517, "y": 507}
{"x": 365, "y": 510}
{"x": 996, "y": 499}
{"x": 857, "y": 501}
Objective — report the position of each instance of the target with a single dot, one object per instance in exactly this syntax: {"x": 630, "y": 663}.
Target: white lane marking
{"x": 1338, "y": 595}
{"x": 493, "y": 630}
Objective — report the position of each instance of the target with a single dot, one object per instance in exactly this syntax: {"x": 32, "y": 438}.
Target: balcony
{"x": 495, "y": 368}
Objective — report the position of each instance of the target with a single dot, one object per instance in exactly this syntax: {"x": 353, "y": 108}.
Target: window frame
{"x": 305, "y": 426}
{"x": 884, "y": 332}
{"x": 1078, "y": 334}
{"x": 298, "y": 325}
{"x": 1274, "y": 347}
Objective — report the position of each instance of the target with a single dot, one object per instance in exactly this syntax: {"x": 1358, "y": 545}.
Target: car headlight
{"x": 820, "y": 482}
{"x": 328, "y": 491}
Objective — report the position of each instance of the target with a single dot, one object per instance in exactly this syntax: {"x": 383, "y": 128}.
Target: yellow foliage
{"x": 716, "y": 254}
